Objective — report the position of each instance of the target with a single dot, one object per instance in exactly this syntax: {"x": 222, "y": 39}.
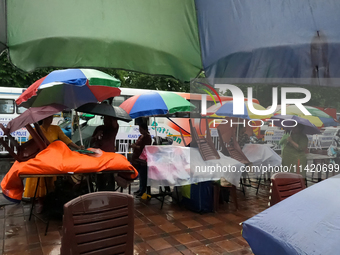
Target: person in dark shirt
{"x": 242, "y": 137}
{"x": 104, "y": 138}
{"x": 140, "y": 165}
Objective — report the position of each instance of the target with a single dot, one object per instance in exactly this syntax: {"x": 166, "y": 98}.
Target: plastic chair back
{"x": 98, "y": 223}
{"x": 284, "y": 185}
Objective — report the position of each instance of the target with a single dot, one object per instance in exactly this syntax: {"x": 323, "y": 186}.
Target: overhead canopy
{"x": 3, "y": 32}
{"x": 179, "y": 38}
{"x": 156, "y": 37}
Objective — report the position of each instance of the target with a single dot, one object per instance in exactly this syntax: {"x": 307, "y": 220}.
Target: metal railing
{"x": 20, "y": 140}
{"x": 122, "y": 146}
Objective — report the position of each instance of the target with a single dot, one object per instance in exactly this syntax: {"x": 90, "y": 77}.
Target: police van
{"x": 9, "y": 110}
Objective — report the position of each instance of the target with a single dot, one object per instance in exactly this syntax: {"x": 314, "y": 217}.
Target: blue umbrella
{"x": 227, "y": 110}
{"x": 291, "y": 120}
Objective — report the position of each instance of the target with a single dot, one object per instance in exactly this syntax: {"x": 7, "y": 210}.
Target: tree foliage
{"x": 145, "y": 81}
{"x": 13, "y": 77}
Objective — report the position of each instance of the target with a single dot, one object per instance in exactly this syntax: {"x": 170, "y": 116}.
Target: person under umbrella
{"x": 52, "y": 133}
{"x": 138, "y": 147}
{"x": 151, "y": 104}
{"x": 294, "y": 151}
{"x": 104, "y": 138}
{"x": 110, "y": 128}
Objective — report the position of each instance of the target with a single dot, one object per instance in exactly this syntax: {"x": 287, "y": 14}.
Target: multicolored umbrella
{"x": 318, "y": 117}
{"x": 226, "y": 39}
{"x": 70, "y": 87}
{"x": 291, "y": 120}
{"x": 155, "y": 103}
{"x": 226, "y": 110}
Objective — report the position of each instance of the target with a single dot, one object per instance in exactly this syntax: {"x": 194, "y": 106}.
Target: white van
{"x": 9, "y": 110}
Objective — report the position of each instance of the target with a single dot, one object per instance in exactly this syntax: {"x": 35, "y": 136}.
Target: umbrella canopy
{"x": 226, "y": 39}
{"x": 319, "y": 118}
{"x": 289, "y": 120}
{"x": 70, "y": 87}
{"x": 33, "y": 115}
{"x": 155, "y": 103}
{"x": 227, "y": 110}
{"x": 106, "y": 110}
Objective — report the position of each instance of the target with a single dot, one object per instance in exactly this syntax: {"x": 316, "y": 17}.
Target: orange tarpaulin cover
{"x": 57, "y": 158}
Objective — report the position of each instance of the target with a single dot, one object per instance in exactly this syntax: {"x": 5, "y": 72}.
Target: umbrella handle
{"x": 154, "y": 121}
{"x": 80, "y": 135}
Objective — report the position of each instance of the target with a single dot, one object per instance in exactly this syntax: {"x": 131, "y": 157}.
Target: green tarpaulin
{"x": 157, "y": 37}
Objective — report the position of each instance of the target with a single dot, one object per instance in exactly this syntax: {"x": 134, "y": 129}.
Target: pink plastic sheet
{"x": 176, "y": 166}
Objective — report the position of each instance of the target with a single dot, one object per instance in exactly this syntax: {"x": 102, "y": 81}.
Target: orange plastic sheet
{"x": 57, "y": 158}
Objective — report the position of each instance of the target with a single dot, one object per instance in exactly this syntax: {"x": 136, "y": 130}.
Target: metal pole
{"x": 72, "y": 122}
{"x": 154, "y": 121}
{"x": 238, "y": 119}
{"x": 80, "y": 135}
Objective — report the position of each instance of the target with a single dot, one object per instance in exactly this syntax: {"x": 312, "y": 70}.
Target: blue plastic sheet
{"x": 305, "y": 223}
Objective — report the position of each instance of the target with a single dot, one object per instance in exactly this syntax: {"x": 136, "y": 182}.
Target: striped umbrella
{"x": 70, "y": 87}
{"x": 155, "y": 103}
